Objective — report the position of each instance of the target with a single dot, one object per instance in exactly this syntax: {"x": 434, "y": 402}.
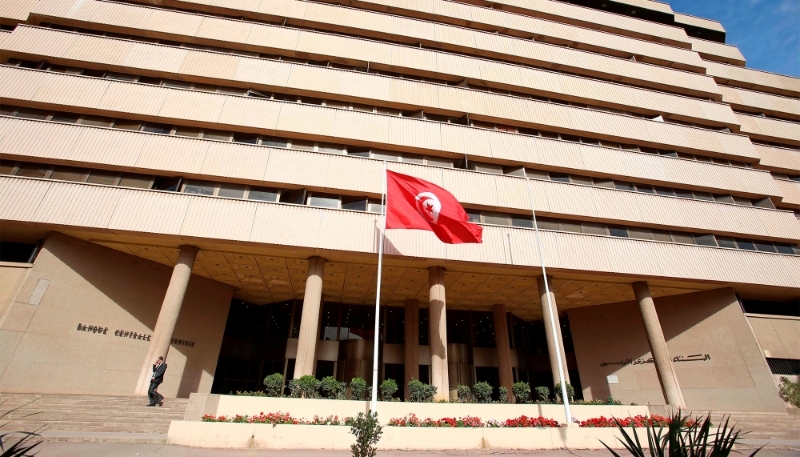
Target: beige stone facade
{"x": 202, "y": 180}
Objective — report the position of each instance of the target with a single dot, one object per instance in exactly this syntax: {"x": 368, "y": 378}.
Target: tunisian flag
{"x": 413, "y": 203}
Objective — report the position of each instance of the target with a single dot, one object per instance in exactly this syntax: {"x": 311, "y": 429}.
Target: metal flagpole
{"x": 549, "y": 305}
{"x": 374, "y": 402}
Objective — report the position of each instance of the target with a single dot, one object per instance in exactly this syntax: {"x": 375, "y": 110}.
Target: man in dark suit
{"x": 158, "y": 377}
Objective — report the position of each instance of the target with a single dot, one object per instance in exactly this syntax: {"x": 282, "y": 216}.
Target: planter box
{"x": 231, "y": 405}
{"x": 330, "y": 437}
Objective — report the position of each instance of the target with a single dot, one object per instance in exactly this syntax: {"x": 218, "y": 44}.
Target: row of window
{"x": 785, "y": 177}
{"x": 366, "y": 204}
{"x": 777, "y": 116}
{"x": 419, "y": 114}
{"x": 325, "y": 63}
{"x": 379, "y": 154}
{"x": 304, "y": 145}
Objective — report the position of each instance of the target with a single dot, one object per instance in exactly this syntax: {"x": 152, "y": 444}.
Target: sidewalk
{"x": 63, "y": 449}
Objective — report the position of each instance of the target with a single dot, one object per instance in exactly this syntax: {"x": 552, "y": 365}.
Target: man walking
{"x": 158, "y": 377}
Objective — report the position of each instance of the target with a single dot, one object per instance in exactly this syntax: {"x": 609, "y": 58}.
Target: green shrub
{"x": 273, "y": 385}
{"x": 294, "y": 389}
{"x": 368, "y": 432}
{"x": 483, "y": 392}
{"x": 570, "y": 392}
{"x": 240, "y": 393}
{"x": 464, "y": 393}
{"x": 790, "y": 391}
{"x": 358, "y": 389}
{"x": 682, "y": 437}
{"x": 420, "y": 392}
{"x": 333, "y": 389}
{"x": 502, "y": 394}
{"x": 308, "y": 386}
{"x": 611, "y": 401}
{"x": 388, "y": 389}
{"x": 542, "y": 394}
{"x": 522, "y": 392}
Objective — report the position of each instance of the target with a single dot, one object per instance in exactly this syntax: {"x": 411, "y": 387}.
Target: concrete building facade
{"x": 202, "y": 180}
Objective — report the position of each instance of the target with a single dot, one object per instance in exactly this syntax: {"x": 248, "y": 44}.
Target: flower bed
{"x": 471, "y": 422}
{"x": 635, "y": 421}
{"x": 279, "y": 418}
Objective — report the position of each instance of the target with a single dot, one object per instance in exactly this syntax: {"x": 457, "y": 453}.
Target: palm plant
{"x": 683, "y": 438}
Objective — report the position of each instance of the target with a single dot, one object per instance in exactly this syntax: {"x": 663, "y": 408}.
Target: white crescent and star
{"x": 429, "y": 206}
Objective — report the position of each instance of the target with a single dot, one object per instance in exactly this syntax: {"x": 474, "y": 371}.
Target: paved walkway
{"x": 61, "y": 449}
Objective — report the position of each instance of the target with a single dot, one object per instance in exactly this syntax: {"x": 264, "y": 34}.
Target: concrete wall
{"x": 736, "y": 377}
{"x": 75, "y": 282}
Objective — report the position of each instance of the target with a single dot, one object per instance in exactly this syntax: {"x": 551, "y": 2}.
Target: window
{"x": 124, "y": 124}
{"x": 7, "y": 167}
{"x": 32, "y": 170}
{"x": 330, "y": 148}
{"x": 546, "y": 223}
{"x": 496, "y": 219}
{"x": 705, "y": 240}
{"x": 323, "y": 200}
{"x": 188, "y": 132}
{"x": 559, "y": 177}
{"x": 29, "y": 113}
{"x": 170, "y": 184}
{"x": 297, "y": 197}
{"x": 619, "y": 232}
{"x": 622, "y": 185}
{"x": 157, "y": 128}
{"x": 594, "y": 229}
{"x": 263, "y": 194}
{"x": 199, "y": 188}
{"x": 303, "y": 145}
{"x": 746, "y": 245}
{"x": 231, "y": 191}
{"x": 216, "y": 135}
{"x": 246, "y": 138}
{"x": 518, "y": 221}
{"x": 354, "y": 203}
{"x": 682, "y": 238}
{"x": 97, "y": 121}
{"x": 640, "y": 233}
{"x": 70, "y": 174}
{"x": 106, "y": 178}
{"x": 764, "y": 246}
{"x": 66, "y": 118}
{"x": 274, "y": 142}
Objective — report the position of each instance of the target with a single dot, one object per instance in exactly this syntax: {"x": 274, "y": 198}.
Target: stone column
{"x": 503, "y": 349}
{"x": 552, "y": 339}
{"x": 411, "y": 344}
{"x": 305, "y": 362}
{"x": 438, "y": 334}
{"x": 168, "y": 316}
{"x": 658, "y": 346}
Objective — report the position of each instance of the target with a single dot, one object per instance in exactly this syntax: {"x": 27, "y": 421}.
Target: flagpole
{"x": 374, "y": 402}
{"x": 549, "y": 305}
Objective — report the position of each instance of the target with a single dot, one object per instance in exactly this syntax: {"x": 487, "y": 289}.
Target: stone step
{"x": 90, "y": 413}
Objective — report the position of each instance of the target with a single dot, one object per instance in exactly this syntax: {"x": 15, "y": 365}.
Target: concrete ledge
{"x": 104, "y": 437}
{"x": 331, "y": 437}
{"x": 231, "y": 405}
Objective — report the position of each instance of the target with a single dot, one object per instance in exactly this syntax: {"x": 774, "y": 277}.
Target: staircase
{"x": 87, "y": 413}
{"x": 763, "y": 426}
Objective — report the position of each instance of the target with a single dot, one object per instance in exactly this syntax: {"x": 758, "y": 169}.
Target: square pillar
{"x": 438, "y": 334}
{"x": 411, "y": 349}
{"x": 305, "y": 362}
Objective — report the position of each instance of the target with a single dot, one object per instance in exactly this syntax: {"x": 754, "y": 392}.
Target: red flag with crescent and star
{"x": 416, "y": 204}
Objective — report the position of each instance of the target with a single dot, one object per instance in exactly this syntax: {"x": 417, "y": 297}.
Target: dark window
{"x": 273, "y": 142}
{"x": 297, "y": 197}
{"x": 231, "y": 191}
{"x": 483, "y": 329}
{"x": 786, "y": 367}
{"x": 70, "y": 174}
{"x": 157, "y": 128}
{"x": 622, "y": 185}
{"x": 65, "y": 117}
{"x": 354, "y": 203}
{"x": 16, "y": 252}
{"x": 247, "y": 138}
{"x": 764, "y": 246}
{"x": 395, "y": 325}
{"x": 167, "y": 183}
{"x": 705, "y": 240}
{"x": 559, "y": 177}
{"x": 619, "y": 232}
{"x": 777, "y": 308}
{"x": 746, "y": 245}
{"x": 30, "y": 113}
{"x": 329, "y": 326}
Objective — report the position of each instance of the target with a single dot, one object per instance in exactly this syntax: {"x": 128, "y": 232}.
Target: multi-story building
{"x": 202, "y": 179}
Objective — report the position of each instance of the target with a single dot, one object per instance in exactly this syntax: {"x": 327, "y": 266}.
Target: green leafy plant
{"x": 273, "y": 385}
{"x": 521, "y": 391}
{"x": 502, "y": 394}
{"x": 20, "y": 447}
{"x": 542, "y": 394}
{"x": 368, "y": 432}
{"x": 309, "y": 386}
{"x": 570, "y": 392}
{"x": 331, "y": 388}
{"x": 483, "y": 392}
{"x": 388, "y": 389}
{"x": 294, "y": 389}
{"x": 420, "y": 392}
{"x": 358, "y": 389}
{"x": 790, "y": 391}
{"x": 464, "y": 393}
{"x": 684, "y": 437}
